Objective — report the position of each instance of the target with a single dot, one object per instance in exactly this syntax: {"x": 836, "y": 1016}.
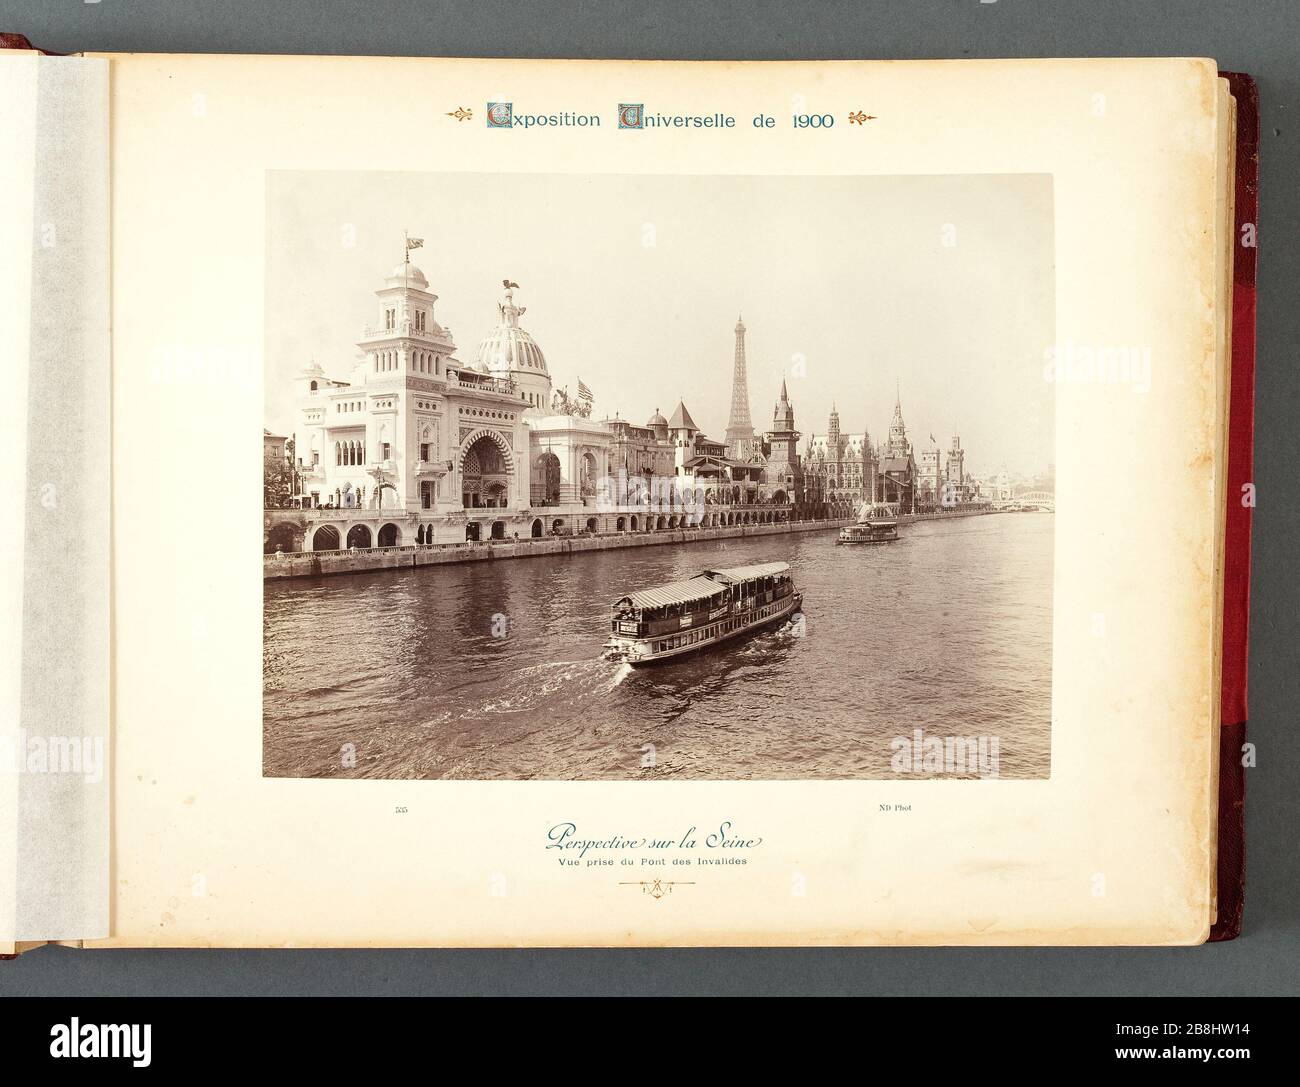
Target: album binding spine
{"x": 1231, "y": 876}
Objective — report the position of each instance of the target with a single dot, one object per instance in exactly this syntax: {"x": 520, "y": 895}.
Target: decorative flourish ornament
{"x": 657, "y": 888}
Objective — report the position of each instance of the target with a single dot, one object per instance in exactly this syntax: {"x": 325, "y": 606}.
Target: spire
{"x": 834, "y": 441}
{"x": 740, "y": 430}
{"x": 899, "y": 446}
{"x": 783, "y": 413}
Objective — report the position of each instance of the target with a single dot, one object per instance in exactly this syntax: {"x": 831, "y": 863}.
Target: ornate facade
{"x": 417, "y": 447}
{"x": 425, "y": 442}
{"x": 846, "y": 470}
{"x": 844, "y": 464}
{"x": 783, "y": 471}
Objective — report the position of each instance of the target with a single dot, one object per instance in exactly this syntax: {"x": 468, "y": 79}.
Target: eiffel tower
{"x": 740, "y": 430}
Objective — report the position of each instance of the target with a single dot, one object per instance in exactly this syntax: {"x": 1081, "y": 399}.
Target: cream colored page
{"x": 1116, "y": 847}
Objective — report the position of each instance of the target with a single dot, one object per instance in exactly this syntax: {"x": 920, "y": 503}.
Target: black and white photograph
{"x": 642, "y": 477}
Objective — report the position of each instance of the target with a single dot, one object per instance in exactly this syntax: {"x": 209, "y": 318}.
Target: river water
{"x": 404, "y": 674}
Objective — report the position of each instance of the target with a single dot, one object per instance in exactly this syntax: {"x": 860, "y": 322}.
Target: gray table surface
{"x": 1261, "y": 37}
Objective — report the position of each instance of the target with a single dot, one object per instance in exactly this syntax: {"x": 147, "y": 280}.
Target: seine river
{"x": 947, "y": 631}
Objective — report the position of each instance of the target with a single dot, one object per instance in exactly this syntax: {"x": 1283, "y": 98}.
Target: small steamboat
{"x": 869, "y": 532}
{"x": 714, "y": 606}
{"x": 876, "y": 525}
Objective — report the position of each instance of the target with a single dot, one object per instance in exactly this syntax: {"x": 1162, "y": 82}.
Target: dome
{"x": 408, "y": 275}
{"x": 509, "y": 349}
{"x": 657, "y": 419}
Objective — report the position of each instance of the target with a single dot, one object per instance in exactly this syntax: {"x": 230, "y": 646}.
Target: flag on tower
{"x": 584, "y": 393}
{"x": 414, "y": 243}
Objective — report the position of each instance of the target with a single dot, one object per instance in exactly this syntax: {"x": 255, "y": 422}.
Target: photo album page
{"x": 700, "y": 503}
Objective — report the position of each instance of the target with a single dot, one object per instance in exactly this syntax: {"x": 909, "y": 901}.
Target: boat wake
{"x": 531, "y": 687}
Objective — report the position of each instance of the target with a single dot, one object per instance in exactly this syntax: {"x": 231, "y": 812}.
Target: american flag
{"x": 584, "y": 393}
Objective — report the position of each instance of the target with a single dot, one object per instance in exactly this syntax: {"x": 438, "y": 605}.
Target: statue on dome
{"x": 508, "y": 311}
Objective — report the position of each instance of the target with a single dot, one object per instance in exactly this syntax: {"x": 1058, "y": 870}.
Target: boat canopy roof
{"x": 676, "y": 592}
{"x": 700, "y": 587}
{"x": 748, "y": 573}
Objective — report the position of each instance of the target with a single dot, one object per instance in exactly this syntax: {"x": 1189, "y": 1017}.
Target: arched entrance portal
{"x": 358, "y": 536}
{"x": 485, "y": 471}
{"x": 282, "y": 537}
{"x": 390, "y": 535}
{"x": 498, "y": 530}
{"x": 472, "y": 532}
{"x": 325, "y": 539}
{"x": 537, "y": 528}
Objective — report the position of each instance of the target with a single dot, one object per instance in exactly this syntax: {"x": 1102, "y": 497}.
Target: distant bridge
{"x": 1045, "y": 499}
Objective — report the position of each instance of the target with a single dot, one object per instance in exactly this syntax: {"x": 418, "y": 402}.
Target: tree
{"x": 277, "y": 478}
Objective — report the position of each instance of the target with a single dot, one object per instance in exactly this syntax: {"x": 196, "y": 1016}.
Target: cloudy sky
{"x": 634, "y": 283}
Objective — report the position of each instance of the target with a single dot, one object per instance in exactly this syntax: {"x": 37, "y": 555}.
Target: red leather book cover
{"x": 17, "y": 41}
{"x": 1236, "y": 577}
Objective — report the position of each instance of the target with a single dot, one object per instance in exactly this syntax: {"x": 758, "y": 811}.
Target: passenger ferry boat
{"x": 869, "y": 532}
{"x": 715, "y": 605}
{"x": 871, "y": 528}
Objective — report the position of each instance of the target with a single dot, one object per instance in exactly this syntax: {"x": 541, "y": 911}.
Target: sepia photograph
{"x": 637, "y": 477}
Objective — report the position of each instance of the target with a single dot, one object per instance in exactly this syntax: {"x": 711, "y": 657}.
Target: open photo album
{"x": 699, "y": 503}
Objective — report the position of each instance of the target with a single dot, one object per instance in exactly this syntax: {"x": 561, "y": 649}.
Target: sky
{"x": 851, "y": 287}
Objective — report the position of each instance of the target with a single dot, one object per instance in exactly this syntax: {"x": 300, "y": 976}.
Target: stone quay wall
{"x": 322, "y": 563}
